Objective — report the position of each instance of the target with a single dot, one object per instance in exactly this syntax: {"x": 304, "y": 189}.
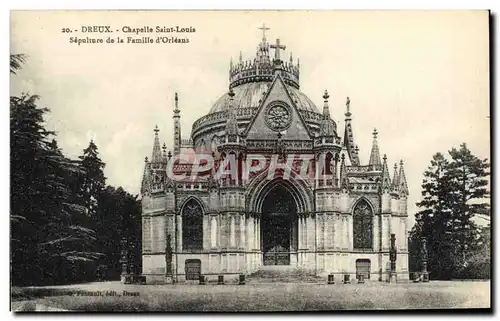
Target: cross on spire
{"x": 264, "y": 28}
{"x": 277, "y": 48}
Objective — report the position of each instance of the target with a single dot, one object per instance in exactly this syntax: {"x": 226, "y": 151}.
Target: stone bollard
{"x": 361, "y": 278}
{"x": 331, "y": 279}
{"x": 202, "y": 279}
{"x": 220, "y": 280}
{"x": 347, "y": 279}
{"x": 242, "y": 279}
{"x": 425, "y": 277}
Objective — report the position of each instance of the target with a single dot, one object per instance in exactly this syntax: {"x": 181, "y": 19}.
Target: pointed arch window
{"x": 192, "y": 226}
{"x": 362, "y": 226}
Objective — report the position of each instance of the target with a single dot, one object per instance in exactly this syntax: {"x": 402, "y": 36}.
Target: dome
{"x": 248, "y": 95}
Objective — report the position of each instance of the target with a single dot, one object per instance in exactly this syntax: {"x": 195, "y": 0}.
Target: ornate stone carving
{"x": 278, "y": 116}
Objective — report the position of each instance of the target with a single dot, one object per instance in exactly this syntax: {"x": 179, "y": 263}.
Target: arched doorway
{"x": 363, "y": 266}
{"x": 279, "y": 226}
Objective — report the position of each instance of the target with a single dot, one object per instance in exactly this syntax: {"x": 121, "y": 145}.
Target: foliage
{"x": 453, "y": 192}
{"x": 56, "y": 227}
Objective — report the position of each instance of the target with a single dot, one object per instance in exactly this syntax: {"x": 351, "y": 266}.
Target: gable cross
{"x": 277, "y": 48}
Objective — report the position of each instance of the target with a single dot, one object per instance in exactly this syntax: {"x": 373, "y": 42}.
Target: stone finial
{"x": 326, "y": 96}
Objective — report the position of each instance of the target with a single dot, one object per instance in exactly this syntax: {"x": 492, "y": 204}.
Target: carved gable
{"x": 278, "y": 113}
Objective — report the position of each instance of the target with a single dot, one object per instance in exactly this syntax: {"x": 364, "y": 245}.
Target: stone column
{"x": 346, "y": 231}
{"x": 242, "y": 232}
{"x": 350, "y": 241}
{"x": 251, "y": 233}
{"x": 375, "y": 233}
{"x": 300, "y": 230}
{"x": 305, "y": 232}
{"x": 213, "y": 231}
{"x": 338, "y": 232}
{"x": 233, "y": 231}
{"x": 333, "y": 232}
{"x": 325, "y": 232}
{"x": 316, "y": 239}
{"x": 385, "y": 232}
{"x": 179, "y": 233}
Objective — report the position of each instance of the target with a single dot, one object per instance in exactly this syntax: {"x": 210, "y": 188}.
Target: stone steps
{"x": 283, "y": 275}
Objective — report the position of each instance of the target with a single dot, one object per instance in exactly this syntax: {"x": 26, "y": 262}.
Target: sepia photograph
{"x": 250, "y": 161}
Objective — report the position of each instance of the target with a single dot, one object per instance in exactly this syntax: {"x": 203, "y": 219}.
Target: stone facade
{"x": 337, "y": 220}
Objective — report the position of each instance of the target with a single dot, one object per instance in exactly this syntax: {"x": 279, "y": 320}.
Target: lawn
{"x": 110, "y": 296}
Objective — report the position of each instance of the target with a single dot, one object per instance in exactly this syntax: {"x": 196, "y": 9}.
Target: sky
{"x": 420, "y": 77}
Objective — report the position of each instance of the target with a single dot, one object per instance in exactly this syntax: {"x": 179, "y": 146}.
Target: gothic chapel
{"x": 341, "y": 224}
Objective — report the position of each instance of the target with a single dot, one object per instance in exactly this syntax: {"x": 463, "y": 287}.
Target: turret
{"x": 262, "y": 68}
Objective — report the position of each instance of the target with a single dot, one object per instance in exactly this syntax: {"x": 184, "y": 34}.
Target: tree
{"x": 93, "y": 182}
{"x": 16, "y": 61}
{"x": 120, "y": 213}
{"x": 467, "y": 178}
{"x": 453, "y": 191}
{"x": 45, "y": 234}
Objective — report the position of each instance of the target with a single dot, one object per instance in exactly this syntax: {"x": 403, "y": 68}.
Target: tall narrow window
{"x": 362, "y": 226}
{"x": 192, "y": 226}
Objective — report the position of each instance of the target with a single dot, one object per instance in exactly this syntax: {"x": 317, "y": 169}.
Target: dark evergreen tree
{"x": 45, "y": 233}
{"x": 467, "y": 176}
{"x": 120, "y": 213}
{"x": 63, "y": 222}
{"x": 452, "y": 193}
{"x": 93, "y": 182}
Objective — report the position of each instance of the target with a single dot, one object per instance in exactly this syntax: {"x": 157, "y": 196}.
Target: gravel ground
{"x": 113, "y": 296}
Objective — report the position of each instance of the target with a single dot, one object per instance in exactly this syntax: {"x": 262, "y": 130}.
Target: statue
{"x": 168, "y": 256}
{"x": 393, "y": 257}
{"x": 423, "y": 257}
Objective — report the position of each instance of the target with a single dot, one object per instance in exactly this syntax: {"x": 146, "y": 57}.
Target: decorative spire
{"x": 343, "y": 176}
{"x": 403, "y": 186}
{"x": 146, "y": 178}
{"x": 232, "y": 123}
{"x": 291, "y": 59}
{"x": 164, "y": 154}
{"x": 156, "y": 157}
{"x": 349, "y": 137}
{"x": 386, "y": 179}
{"x": 395, "y": 183}
{"x": 177, "y": 126}
{"x": 327, "y": 124}
{"x": 241, "y": 57}
{"x": 375, "y": 154}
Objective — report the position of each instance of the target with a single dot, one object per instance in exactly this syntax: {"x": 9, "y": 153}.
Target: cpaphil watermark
{"x": 200, "y": 166}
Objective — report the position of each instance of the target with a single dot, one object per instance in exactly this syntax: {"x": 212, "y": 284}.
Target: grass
{"x": 263, "y": 297}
